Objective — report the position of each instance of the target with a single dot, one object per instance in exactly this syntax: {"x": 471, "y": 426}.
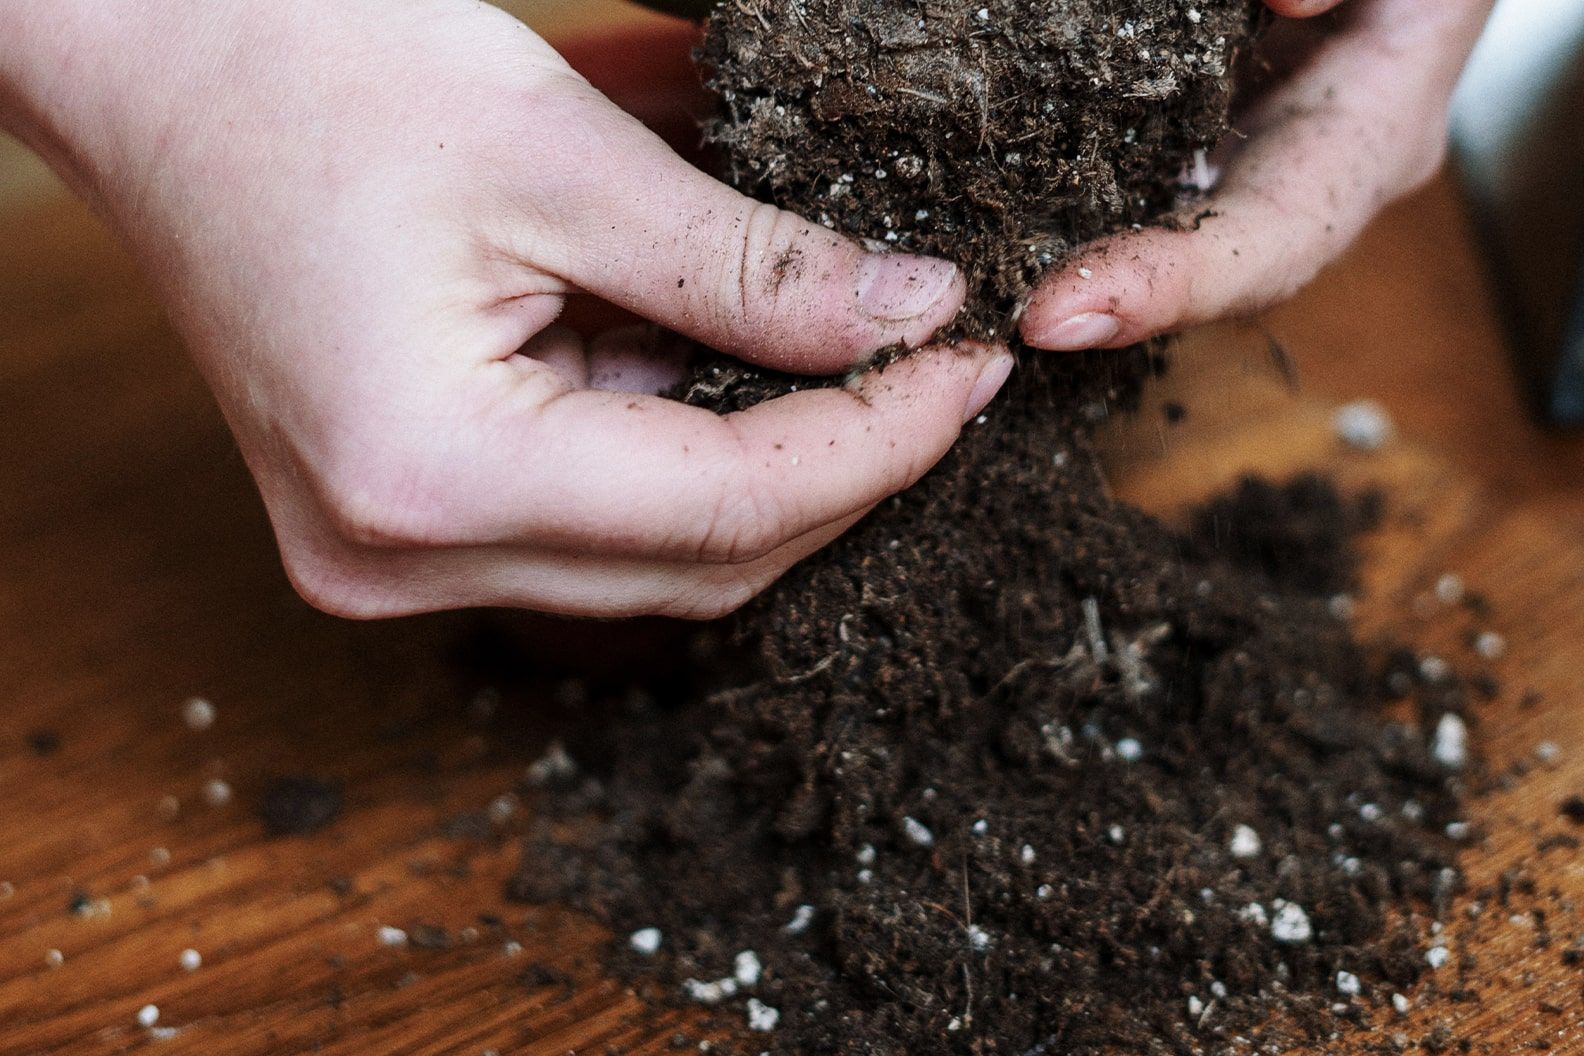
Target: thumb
{"x": 645, "y": 230}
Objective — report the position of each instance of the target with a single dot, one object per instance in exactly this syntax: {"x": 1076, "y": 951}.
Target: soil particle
{"x": 298, "y": 805}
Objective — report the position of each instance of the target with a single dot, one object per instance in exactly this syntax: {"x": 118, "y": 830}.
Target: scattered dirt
{"x": 299, "y": 804}
{"x": 1012, "y": 767}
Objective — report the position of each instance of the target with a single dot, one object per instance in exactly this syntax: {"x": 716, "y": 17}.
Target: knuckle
{"x": 378, "y": 503}
{"x": 746, "y": 523}
{"x": 332, "y": 587}
{"x": 756, "y": 266}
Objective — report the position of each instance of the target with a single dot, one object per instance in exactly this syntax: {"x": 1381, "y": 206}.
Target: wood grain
{"x": 137, "y": 569}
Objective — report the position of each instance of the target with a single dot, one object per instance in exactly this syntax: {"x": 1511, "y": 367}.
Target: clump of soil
{"x": 996, "y": 133}
{"x": 299, "y": 804}
{"x": 1012, "y": 767}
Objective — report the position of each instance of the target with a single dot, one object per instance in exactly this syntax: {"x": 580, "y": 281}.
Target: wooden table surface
{"x": 137, "y": 570}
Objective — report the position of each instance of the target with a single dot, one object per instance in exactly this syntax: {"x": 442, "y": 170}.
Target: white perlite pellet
{"x": 1437, "y": 956}
{"x": 216, "y": 793}
{"x": 1400, "y": 1003}
{"x": 1291, "y": 924}
{"x": 1026, "y": 855}
{"x": 54, "y": 958}
{"x": 645, "y": 941}
{"x": 198, "y": 713}
{"x": 867, "y": 854}
{"x": 1245, "y": 843}
{"x": 1450, "y": 744}
{"x": 147, "y": 1016}
{"x": 979, "y": 938}
{"x": 1449, "y": 589}
{"x": 709, "y": 993}
{"x": 918, "y": 832}
{"x": 1129, "y": 750}
{"x": 802, "y": 917}
{"x": 1490, "y": 646}
{"x": 980, "y": 827}
{"x": 1363, "y": 424}
{"x": 761, "y": 1017}
{"x": 191, "y": 960}
{"x": 389, "y": 936}
{"x": 1348, "y": 983}
{"x": 746, "y": 969}
{"x": 1195, "y": 1006}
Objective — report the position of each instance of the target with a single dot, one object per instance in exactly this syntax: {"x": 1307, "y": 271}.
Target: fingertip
{"x": 1302, "y": 8}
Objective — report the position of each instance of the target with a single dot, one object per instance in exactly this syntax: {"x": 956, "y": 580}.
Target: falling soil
{"x": 1013, "y": 767}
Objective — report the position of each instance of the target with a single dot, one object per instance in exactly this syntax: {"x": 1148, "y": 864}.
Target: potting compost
{"x": 1013, "y": 767}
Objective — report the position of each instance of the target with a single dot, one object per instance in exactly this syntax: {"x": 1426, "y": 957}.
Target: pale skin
{"x": 365, "y": 217}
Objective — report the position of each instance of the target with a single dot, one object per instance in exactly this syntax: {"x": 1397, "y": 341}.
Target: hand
{"x": 365, "y": 217}
{"x": 1351, "y": 115}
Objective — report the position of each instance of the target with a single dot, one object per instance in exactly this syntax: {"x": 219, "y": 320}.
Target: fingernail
{"x": 991, "y": 378}
{"x": 1089, "y": 330}
{"x": 896, "y": 287}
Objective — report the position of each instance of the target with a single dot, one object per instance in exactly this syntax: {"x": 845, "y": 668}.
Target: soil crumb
{"x": 297, "y": 805}
{"x": 1013, "y": 768}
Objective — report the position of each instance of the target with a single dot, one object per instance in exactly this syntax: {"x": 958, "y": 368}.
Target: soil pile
{"x": 1013, "y": 768}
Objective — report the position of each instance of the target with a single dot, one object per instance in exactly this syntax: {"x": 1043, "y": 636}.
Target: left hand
{"x": 1351, "y": 115}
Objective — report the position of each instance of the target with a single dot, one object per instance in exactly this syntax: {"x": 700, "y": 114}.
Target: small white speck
{"x": 983, "y": 14}
{"x": 1116, "y": 834}
{"x": 866, "y": 876}
{"x": 797, "y": 460}
{"x": 198, "y": 713}
{"x": 1195, "y": 1006}
{"x": 645, "y": 940}
{"x": 1195, "y": 16}
{"x": 389, "y": 936}
{"x": 6, "y": 889}
{"x": 1086, "y": 273}
{"x": 746, "y": 969}
{"x": 979, "y": 939}
{"x": 1129, "y": 750}
{"x": 1348, "y": 983}
{"x": 216, "y": 793}
{"x": 147, "y": 1016}
{"x": 709, "y": 993}
{"x": 1400, "y": 1003}
{"x": 54, "y": 958}
{"x": 1548, "y": 752}
{"x": 1364, "y": 425}
{"x": 1449, "y": 589}
{"x": 1026, "y": 855}
{"x": 554, "y": 765}
{"x": 980, "y": 827}
{"x": 191, "y": 960}
{"x": 1291, "y": 924}
{"x": 168, "y": 807}
{"x": 160, "y": 857}
{"x": 922, "y": 214}
{"x": 1341, "y": 606}
{"x": 1370, "y": 812}
{"x": 867, "y": 854}
{"x": 1245, "y": 843}
{"x": 511, "y": 948}
{"x": 955, "y": 1024}
{"x": 802, "y": 917}
{"x": 1450, "y": 744}
{"x": 1457, "y": 830}
{"x": 1218, "y": 990}
{"x": 761, "y": 1017}
{"x": 502, "y": 807}
{"x": 917, "y": 832}
{"x": 1437, "y": 957}
{"x": 1044, "y": 892}
{"x": 1434, "y": 669}
{"x": 1490, "y": 646}
{"x": 1254, "y": 913}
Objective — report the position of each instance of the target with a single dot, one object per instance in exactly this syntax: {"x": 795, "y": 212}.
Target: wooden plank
{"x": 138, "y": 570}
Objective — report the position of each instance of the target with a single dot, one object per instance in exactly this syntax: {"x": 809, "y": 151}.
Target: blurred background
{"x": 1519, "y": 134}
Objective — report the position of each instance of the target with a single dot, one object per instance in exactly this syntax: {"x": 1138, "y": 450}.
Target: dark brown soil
{"x": 1014, "y": 768}
{"x": 298, "y": 804}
